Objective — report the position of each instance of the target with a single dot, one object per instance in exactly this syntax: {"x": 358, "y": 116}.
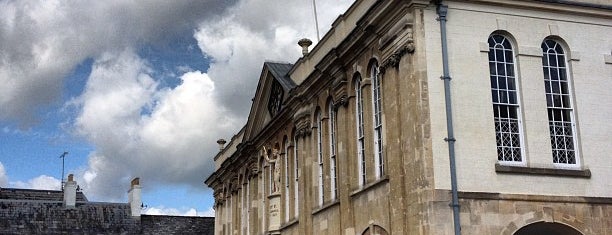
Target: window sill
{"x": 325, "y": 206}
{"x": 289, "y": 223}
{"x": 576, "y": 173}
{"x": 366, "y": 187}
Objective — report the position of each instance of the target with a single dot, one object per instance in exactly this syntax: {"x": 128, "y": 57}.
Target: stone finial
{"x": 70, "y": 177}
{"x": 304, "y": 43}
{"x": 221, "y": 143}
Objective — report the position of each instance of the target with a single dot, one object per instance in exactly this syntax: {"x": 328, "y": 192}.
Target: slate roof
{"x": 36, "y": 194}
{"x": 280, "y": 71}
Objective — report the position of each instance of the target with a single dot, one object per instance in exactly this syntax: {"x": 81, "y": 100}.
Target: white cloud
{"x": 3, "y": 177}
{"x": 254, "y": 31}
{"x": 162, "y": 135}
{"x": 41, "y": 182}
{"x": 43, "y": 40}
{"x": 162, "y": 210}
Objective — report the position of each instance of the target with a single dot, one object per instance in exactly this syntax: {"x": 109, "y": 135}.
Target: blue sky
{"x": 136, "y": 90}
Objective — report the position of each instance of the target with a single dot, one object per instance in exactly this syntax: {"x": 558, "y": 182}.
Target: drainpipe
{"x": 441, "y": 10}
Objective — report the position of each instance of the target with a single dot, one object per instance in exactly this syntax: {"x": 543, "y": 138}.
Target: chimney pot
{"x": 304, "y": 43}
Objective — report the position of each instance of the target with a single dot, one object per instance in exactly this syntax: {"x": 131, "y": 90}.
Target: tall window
{"x": 286, "y": 162}
{"x": 243, "y": 209}
{"x": 378, "y": 134}
{"x": 559, "y": 103}
{"x": 504, "y": 91}
{"x": 360, "y": 136}
{"x": 332, "y": 151}
{"x": 320, "y": 155}
{"x": 295, "y": 176}
{"x": 247, "y": 208}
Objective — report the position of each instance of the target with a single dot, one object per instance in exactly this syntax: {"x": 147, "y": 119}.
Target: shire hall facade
{"x": 431, "y": 117}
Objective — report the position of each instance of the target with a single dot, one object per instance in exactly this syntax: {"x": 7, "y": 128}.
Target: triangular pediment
{"x": 272, "y": 91}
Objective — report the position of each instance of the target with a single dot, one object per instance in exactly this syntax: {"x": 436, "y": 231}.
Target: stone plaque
{"x": 274, "y": 211}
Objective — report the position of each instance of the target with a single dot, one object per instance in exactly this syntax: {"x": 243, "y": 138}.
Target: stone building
{"x": 431, "y": 117}
{"x": 29, "y": 211}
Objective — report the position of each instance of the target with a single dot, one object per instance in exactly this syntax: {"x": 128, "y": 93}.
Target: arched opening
{"x": 374, "y": 229}
{"x": 546, "y": 228}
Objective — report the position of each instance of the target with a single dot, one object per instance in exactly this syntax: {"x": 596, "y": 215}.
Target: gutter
{"x": 442, "y": 10}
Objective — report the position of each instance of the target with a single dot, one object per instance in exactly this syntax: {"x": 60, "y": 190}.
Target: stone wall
{"x": 160, "y": 224}
{"x": 495, "y": 213}
{"x": 35, "y": 217}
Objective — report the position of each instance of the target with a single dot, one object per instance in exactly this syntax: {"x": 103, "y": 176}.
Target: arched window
{"x": 378, "y": 131}
{"x": 547, "y": 228}
{"x": 287, "y": 191}
{"x": 295, "y": 175}
{"x": 559, "y": 103}
{"x": 332, "y": 151}
{"x": 320, "y": 155}
{"x": 506, "y": 110}
{"x": 360, "y": 136}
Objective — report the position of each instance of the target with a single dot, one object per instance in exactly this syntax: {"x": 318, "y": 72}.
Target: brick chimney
{"x": 134, "y": 197}
{"x": 70, "y": 192}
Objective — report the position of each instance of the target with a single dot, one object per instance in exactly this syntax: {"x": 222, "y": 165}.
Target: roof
{"x": 280, "y": 71}
{"x": 37, "y": 194}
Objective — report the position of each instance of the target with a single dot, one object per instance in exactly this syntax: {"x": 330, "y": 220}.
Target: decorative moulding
{"x": 394, "y": 59}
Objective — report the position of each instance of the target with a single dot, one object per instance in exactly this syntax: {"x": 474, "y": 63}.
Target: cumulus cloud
{"x": 164, "y": 135}
{"x": 41, "y": 182}
{"x": 254, "y": 31}
{"x": 162, "y": 210}
{"x": 3, "y": 177}
{"x": 42, "y": 41}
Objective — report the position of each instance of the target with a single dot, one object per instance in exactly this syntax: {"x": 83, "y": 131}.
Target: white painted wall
{"x": 469, "y": 26}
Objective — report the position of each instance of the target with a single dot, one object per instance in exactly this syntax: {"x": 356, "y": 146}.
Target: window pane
{"x": 552, "y": 59}
{"x": 508, "y": 55}
{"x": 554, "y": 74}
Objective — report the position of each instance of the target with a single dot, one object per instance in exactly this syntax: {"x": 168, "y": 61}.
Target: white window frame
{"x": 320, "y": 157}
{"x": 332, "y": 152}
{"x": 498, "y": 106}
{"x": 296, "y": 177}
{"x": 547, "y": 68}
{"x": 361, "y": 162}
{"x": 379, "y": 162}
{"x": 287, "y": 191}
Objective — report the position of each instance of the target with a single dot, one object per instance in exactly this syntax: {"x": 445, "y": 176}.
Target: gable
{"x": 272, "y": 91}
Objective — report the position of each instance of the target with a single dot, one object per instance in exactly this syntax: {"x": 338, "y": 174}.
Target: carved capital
{"x": 302, "y": 122}
{"x": 394, "y": 59}
{"x": 339, "y": 91}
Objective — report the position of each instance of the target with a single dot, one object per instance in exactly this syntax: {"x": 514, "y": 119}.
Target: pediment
{"x": 272, "y": 91}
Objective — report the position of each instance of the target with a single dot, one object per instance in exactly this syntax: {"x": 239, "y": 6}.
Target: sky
{"x": 137, "y": 89}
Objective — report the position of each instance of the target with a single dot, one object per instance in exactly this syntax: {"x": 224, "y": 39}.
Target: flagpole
{"x": 314, "y": 7}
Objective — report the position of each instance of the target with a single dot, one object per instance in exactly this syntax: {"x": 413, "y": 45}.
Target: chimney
{"x": 70, "y": 192}
{"x": 134, "y": 197}
{"x": 221, "y": 143}
{"x": 304, "y": 43}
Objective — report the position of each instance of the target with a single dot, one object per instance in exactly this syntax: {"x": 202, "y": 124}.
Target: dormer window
{"x": 276, "y": 98}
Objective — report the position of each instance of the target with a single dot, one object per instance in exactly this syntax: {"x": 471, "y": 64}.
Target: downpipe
{"x": 442, "y": 10}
